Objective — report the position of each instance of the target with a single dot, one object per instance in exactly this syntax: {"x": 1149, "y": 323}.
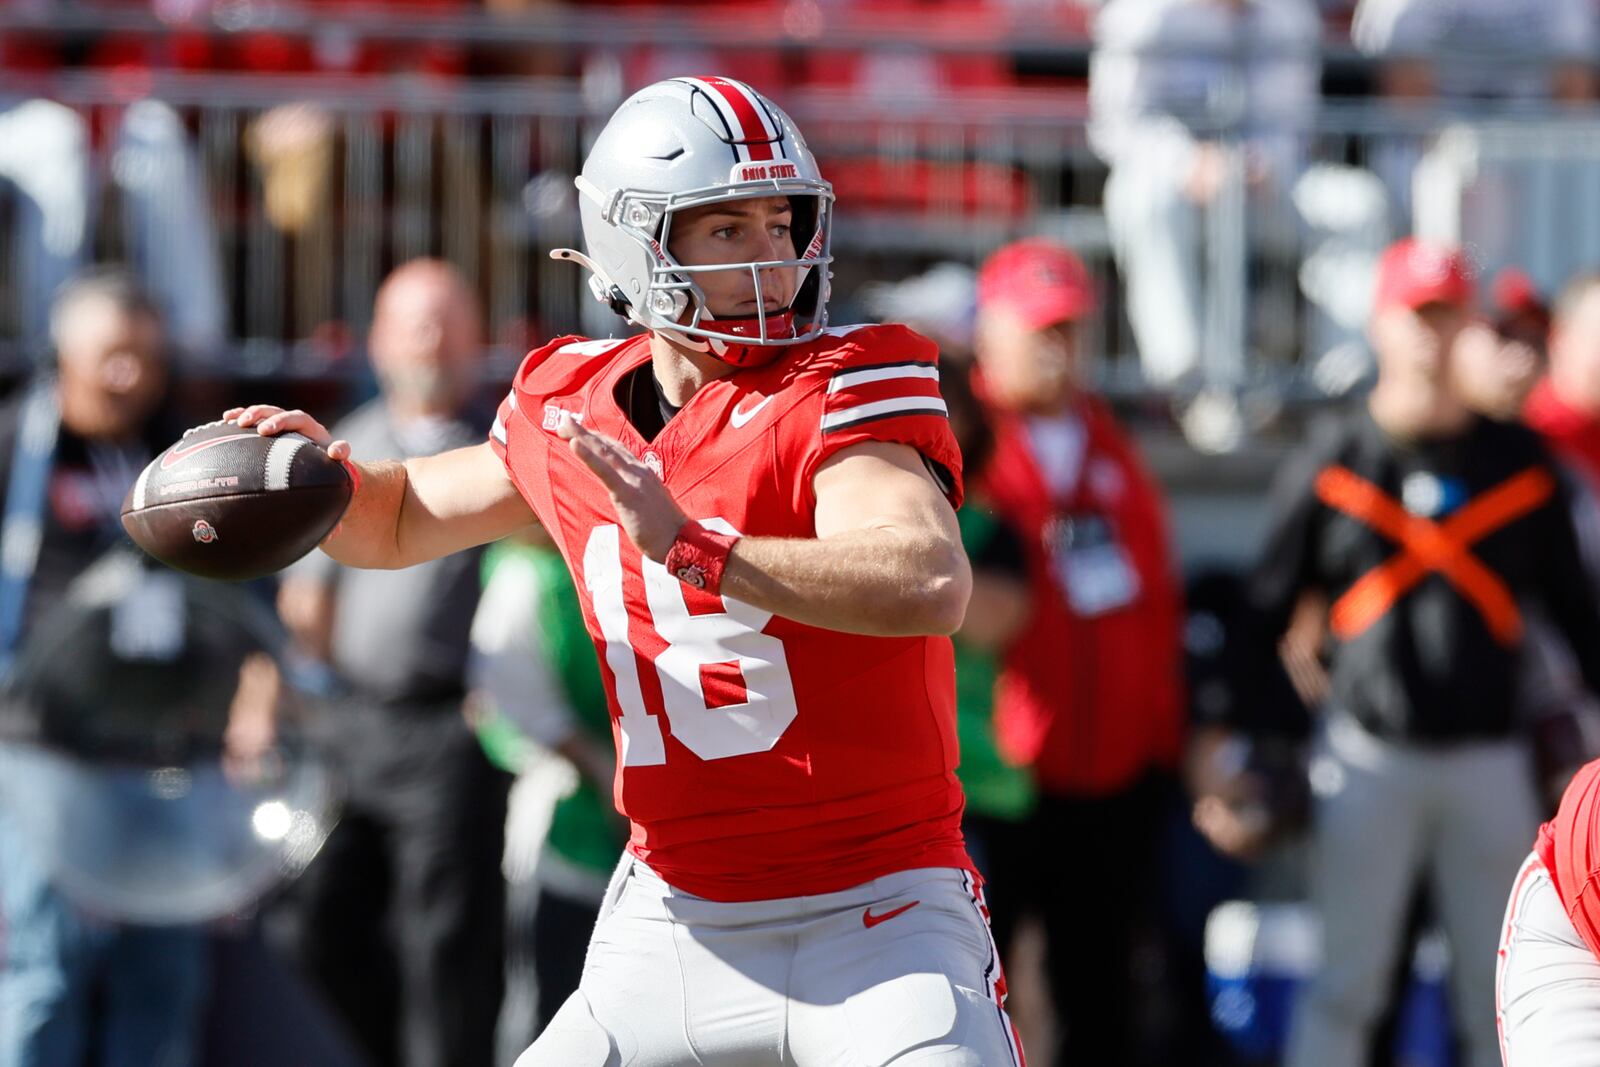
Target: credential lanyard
{"x": 23, "y": 529}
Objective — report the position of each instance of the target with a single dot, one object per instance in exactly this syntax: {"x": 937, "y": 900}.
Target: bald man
{"x": 399, "y": 920}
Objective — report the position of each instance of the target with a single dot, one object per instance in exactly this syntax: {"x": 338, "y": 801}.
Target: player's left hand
{"x": 644, "y": 506}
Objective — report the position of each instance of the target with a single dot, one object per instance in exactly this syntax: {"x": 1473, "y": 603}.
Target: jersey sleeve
{"x": 883, "y": 385}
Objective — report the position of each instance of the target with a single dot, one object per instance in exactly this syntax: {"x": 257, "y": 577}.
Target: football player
{"x": 758, "y": 511}
{"x": 1547, "y": 988}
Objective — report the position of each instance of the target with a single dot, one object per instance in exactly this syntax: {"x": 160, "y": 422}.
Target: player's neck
{"x": 681, "y": 372}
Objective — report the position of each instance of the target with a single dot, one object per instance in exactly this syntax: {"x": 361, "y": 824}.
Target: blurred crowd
{"x": 1228, "y": 817}
{"x": 1210, "y": 154}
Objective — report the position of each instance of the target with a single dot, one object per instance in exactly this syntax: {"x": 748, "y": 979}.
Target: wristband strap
{"x": 698, "y": 557}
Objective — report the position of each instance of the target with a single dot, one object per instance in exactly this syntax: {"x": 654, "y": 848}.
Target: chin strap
{"x": 740, "y": 355}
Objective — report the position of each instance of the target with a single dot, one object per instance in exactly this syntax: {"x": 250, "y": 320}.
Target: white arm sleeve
{"x": 508, "y": 660}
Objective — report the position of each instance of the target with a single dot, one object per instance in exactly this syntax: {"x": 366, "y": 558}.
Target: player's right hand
{"x": 269, "y": 420}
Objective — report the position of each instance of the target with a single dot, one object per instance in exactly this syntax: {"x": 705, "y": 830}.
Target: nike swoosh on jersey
{"x": 739, "y": 418}
{"x": 172, "y": 459}
{"x": 870, "y": 920}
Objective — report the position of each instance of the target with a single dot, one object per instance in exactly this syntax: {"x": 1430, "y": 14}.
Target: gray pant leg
{"x": 1488, "y": 815}
{"x": 1367, "y": 837}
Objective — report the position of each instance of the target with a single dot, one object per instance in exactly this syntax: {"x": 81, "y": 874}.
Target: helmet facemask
{"x": 673, "y": 302}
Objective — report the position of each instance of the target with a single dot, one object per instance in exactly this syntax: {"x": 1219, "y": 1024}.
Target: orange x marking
{"x": 1427, "y": 547}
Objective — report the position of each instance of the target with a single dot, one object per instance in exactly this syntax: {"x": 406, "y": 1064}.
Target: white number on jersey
{"x": 731, "y": 636}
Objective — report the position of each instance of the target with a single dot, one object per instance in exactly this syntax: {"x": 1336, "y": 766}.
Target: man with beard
{"x": 399, "y": 919}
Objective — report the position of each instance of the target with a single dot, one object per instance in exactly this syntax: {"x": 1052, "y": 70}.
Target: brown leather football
{"x": 226, "y": 502}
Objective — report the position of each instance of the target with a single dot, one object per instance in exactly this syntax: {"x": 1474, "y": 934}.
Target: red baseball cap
{"x": 1414, "y": 272}
{"x": 1040, "y": 281}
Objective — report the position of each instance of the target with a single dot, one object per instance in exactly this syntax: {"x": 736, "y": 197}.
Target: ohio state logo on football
{"x": 204, "y": 532}
{"x": 760, "y": 172}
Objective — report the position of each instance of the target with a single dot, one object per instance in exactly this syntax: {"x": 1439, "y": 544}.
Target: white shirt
{"x": 1058, "y": 444}
{"x": 1164, "y": 68}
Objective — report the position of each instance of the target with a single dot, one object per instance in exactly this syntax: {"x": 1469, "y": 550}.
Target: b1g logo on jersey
{"x": 553, "y": 413}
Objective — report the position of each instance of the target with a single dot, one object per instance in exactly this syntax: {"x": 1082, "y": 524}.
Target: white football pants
{"x": 899, "y": 970}
{"x": 1547, "y": 987}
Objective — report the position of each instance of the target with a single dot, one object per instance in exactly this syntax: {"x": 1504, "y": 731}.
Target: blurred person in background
{"x": 1565, "y": 405}
{"x": 1500, "y": 359}
{"x": 71, "y": 442}
{"x": 1564, "y": 408}
{"x": 1497, "y": 364}
{"x": 1426, "y": 528}
{"x": 48, "y": 174}
{"x": 536, "y": 672}
{"x": 1192, "y": 101}
{"x": 400, "y": 919}
{"x": 1090, "y": 694}
{"x": 1445, "y": 58}
{"x": 1479, "y": 49}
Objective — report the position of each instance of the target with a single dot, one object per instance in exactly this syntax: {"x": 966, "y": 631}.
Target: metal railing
{"x": 309, "y": 190}
{"x": 306, "y": 191}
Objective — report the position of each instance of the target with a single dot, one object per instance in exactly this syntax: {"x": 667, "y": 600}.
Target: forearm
{"x": 369, "y": 534}
{"x": 427, "y": 507}
{"x": 877, "y": 582}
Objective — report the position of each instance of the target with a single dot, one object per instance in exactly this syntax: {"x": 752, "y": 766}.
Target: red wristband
{"x": 355, "y": 487}
{"x": 355, "y": 477}
{"x": 698, "y": 557}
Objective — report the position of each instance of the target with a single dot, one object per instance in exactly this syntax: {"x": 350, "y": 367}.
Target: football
{"x": 226, "y": 502}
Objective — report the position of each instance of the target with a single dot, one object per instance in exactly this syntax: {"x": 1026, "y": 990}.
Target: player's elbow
{"x": 946, "y": 589}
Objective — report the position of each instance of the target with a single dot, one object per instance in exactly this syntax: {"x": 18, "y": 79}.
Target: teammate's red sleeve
{"x": 1576, "y": 847}
{"x": 887, "y": 389}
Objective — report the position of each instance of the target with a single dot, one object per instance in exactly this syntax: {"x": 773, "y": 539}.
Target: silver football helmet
{"x": 684, "y": 143}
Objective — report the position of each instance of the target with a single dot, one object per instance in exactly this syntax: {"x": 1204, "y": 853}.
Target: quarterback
{"x": 758, "y": 512}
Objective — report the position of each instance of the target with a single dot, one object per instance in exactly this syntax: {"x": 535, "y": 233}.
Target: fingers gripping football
{"x": 270, "y": 420}
{"x": 645, "y": 507}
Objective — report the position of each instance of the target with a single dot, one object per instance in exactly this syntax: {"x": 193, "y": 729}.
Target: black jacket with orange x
{"x": 1429, "y": 555}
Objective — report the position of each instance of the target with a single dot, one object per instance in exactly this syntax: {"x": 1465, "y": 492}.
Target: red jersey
{"x": 757, "y": 757}
{"x": 1569, "y": 848}
{"x": 1090, "y": 694}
